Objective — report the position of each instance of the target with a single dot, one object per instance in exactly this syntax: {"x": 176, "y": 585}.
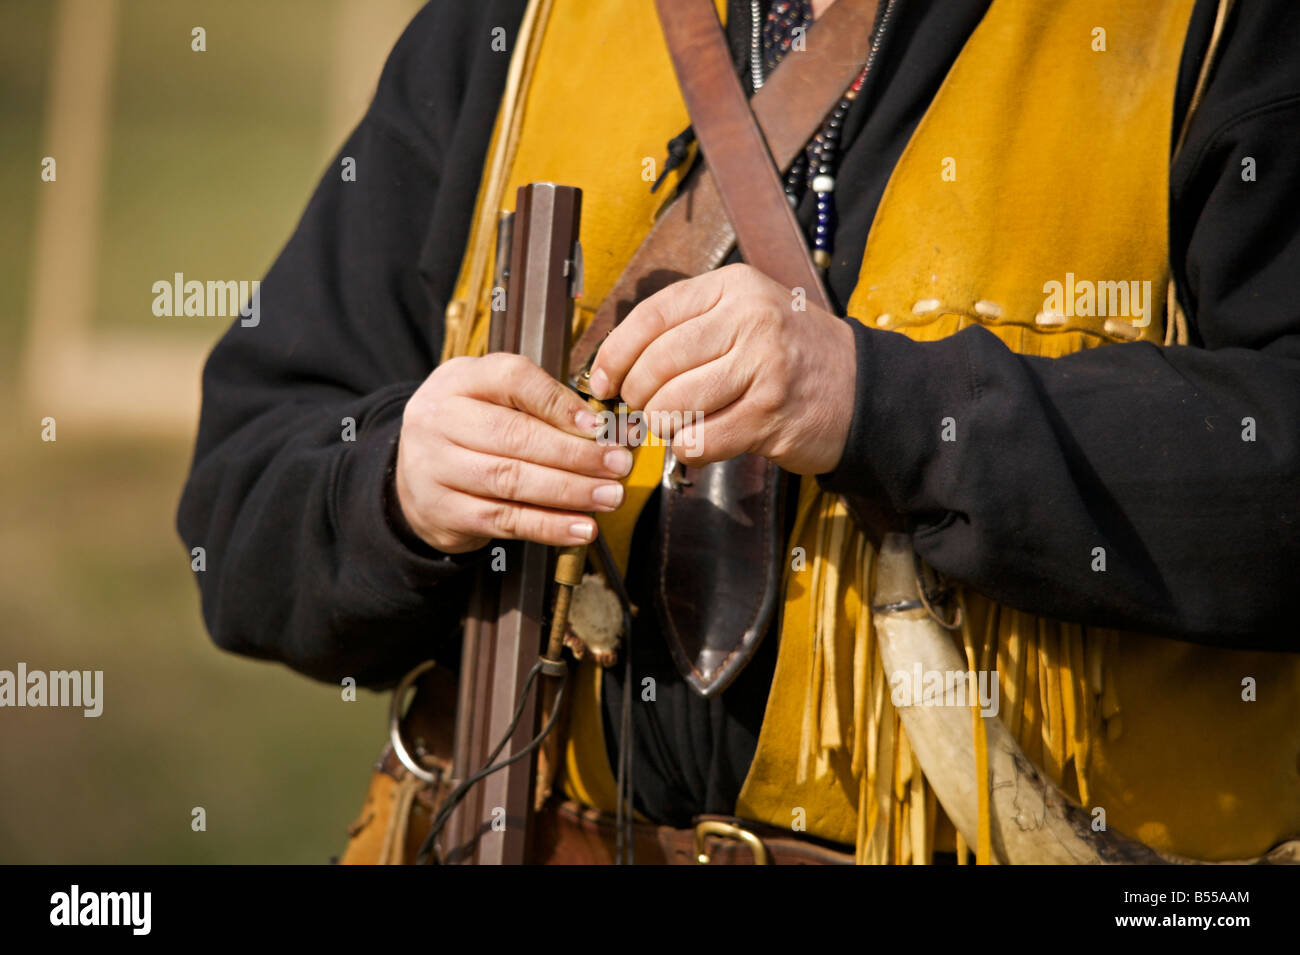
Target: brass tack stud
{"x": 1120, "y": 328}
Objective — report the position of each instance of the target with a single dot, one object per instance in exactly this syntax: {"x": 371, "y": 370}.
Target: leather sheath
{"x": 721, "y": 531}
{"x": 718, "y": 565}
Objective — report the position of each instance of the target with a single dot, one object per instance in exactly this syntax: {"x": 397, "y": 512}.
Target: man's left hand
{"x": 730, "y": 353}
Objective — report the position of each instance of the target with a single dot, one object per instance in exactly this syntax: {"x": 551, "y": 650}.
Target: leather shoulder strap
{"x": 696, "y": 231}
{"x": 766, "y": 230}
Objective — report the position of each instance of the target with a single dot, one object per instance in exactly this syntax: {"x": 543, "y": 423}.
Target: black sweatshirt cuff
{"x": 402, "y": 528}
{"x": 394, "y": 562}
{"x": 895, "y": 458}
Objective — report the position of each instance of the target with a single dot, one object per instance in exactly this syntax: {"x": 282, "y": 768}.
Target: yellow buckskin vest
{"x": 1043, "y": 155}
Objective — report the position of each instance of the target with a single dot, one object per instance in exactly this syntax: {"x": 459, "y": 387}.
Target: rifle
{"x": 503, "y": 656}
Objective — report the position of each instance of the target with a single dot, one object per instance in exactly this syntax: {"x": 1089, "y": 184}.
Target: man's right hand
{"x": 494, "y": 447}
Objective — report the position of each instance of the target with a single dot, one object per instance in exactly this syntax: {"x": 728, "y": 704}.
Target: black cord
{"x": 679, "y": 147}
{"x": 624, "y": 840}
{"x": 624, "y": 852}
{"x": 619, "y": 783}
{"x": 627, "y": 793}
{"x": 457, "y": 795}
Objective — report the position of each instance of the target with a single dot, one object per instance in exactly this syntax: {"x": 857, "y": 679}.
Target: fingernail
{"x": 619, "y": 460}
{"x": 599, "y": 383}
{"x": 608, "y": 495}
{"x": 583, "y": 531}
{"x": 586, "y": 420}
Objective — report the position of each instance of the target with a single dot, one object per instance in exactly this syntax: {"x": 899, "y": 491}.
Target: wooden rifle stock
{"x": 504, "y": 632}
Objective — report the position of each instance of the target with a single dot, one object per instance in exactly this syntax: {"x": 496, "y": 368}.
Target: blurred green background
{"x": 202, "y": 164}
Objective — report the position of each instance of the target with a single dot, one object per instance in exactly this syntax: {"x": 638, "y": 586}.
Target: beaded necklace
{"x": 816, "y": 166}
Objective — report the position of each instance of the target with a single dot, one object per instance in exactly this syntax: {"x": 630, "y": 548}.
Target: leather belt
{"x": 570, "y": 834}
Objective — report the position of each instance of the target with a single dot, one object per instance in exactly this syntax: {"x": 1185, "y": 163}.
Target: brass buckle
{"x": 727, "y": 830}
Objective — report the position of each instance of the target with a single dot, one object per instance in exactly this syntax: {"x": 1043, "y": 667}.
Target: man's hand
{"x": 494, "y": 447}
{"x": 731, "y": 347}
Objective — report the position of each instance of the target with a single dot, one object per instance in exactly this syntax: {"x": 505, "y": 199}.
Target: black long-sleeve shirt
{"x": 1135, "y": 448}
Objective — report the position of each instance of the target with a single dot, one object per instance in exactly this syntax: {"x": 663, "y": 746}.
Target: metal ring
{"x": 395, "y": 725}
{"x": 898, "y": 606}
{"x": 955, "y": 624}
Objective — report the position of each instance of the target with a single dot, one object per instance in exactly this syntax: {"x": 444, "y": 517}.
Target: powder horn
{"x": 1030, "y": 820}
